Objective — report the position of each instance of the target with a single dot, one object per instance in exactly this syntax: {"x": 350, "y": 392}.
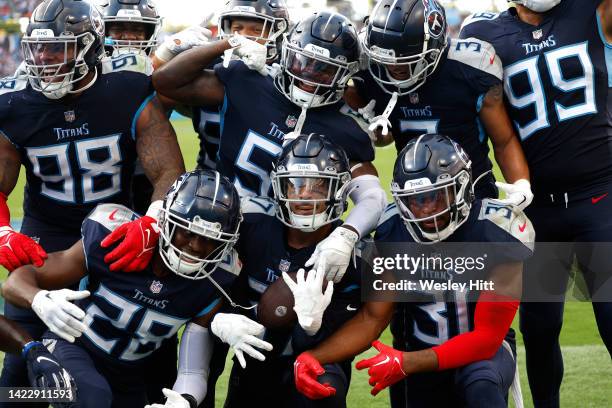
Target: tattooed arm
{"x": 158, "y": 149}
{"x": 506, "y": 145}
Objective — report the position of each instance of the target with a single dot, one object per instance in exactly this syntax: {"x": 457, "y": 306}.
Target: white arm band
{"x": 194, "y": 360}
{"x": 370, "y": 201}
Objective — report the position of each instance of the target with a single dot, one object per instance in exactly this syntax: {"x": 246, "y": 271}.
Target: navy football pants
{"x": 582, "y": 221}
{"x": 483, "y": 384}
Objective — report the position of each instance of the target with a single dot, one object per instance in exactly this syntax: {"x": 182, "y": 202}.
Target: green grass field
{"x": 588, "y": 368}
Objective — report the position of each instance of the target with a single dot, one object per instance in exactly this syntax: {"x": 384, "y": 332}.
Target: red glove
{"x": 17, "y": 249}
{"x": 136, "y": 250}
{"x": 385, "y": 368}
{"x": 306, "y": 369}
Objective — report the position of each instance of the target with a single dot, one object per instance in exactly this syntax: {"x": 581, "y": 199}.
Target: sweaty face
{"x": 193, "y": 244}
{"x": 126, "y": 31}
{"x": 302, "y": 188}
{"x": 430, "y": 204}
{"x": 250, "y": 28}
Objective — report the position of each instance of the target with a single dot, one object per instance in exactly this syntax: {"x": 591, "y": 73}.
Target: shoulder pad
{"x": 476, "y": 54}
{"x": 127, "y": 62}
{"x": 258, "y": 205}
{"x": 12, "y": 84}
{"x": 231, "y": 263}
{"x": 112, "y": 216}
{"x": 509, "y": 219}
{"x": 390, "y": 212}
{"x": 481, "y": 16}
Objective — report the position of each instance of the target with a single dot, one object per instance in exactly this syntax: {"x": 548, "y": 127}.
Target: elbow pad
{"x": 370, "y": 201}
{"x": 194, "y": 361}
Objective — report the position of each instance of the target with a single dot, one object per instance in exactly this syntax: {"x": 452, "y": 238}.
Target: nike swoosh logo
{"x": 112, "y": 215}
{"x": 492, "y": 60}
{"x": 522, "y": 227}
{"x": 385, "y": 361}
{"x": 148, "y": 237}
{"x": 41, "y": 359}
{"x": 350, "y": 308}
{"x": 595, "y": 200}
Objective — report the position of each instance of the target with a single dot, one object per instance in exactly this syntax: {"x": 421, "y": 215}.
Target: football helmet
{"x": 272, "y": 13}
{"x": 432, "y": 187}
{"x": 141, "y": 14}
{"x": 404, "y": 41}
{"x": 309, "y": 181}
{"x": 62, "y": 44}
{"x": 205, "y": 203}
{"x": 319, "y": 56}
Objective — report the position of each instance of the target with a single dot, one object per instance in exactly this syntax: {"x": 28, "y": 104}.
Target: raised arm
{"x": 186, "y": 78}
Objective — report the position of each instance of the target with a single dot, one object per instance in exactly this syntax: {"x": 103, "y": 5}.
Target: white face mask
{"x": 57, "y": 90}
{"x": 308, "y": 223}
{"x": 301, "y": 97}
{"x": 539, "y": 6}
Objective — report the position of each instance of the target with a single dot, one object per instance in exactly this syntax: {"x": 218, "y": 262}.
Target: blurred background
{"x": 179, "y": 14}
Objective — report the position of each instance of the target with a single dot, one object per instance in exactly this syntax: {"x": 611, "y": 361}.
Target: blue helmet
{"x": 202, "y": 202}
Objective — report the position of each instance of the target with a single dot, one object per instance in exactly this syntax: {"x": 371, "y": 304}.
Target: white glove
{"x": 333, "y": 254}
{"x": 253, "y": 54}
{"x": 240, "y": 332}
{"x": 310, "y": 302}
{"x": 190, "y": 37}
{"x": 173, "y": 400}
{"x": 539, "y": 6}
{"x": 382, "y": 121}
{"x": 518, "y": 194}
{"x": 59, "y": 314}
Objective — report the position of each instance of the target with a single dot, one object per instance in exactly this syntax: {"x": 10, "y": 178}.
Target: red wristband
{"x": 5, "y": 214}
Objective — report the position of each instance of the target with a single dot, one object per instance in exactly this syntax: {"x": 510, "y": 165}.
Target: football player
{"x": 424, "y": 82}
{"x": 318, "y": 58}
{"x": 310, "y": 182}
{"x": 131, "y": 26}
{"x": 449, "y": 347}
{"x": 76, "y": 122}
{"x": 105, "y": 332}
{"x": 557, "y": 83}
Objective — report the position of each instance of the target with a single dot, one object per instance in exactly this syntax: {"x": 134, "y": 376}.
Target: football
{"x": 275, "y": 308}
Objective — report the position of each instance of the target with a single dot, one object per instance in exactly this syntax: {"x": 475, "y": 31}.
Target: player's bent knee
{"x": 484, "y": 393}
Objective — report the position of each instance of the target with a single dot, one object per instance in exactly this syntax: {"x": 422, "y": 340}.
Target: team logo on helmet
{"x": 96, "y": 21}
{"x": 436, "y": 23}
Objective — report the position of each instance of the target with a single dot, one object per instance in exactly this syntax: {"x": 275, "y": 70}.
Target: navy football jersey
{"x": 265, "y": 255}
{"x": 556, "y": 80}
{"x": 206, "y": 123}
{"x": 449, "y": 101}
{"x": 442, "y": 315}
{"x": 130, "y": 314}
{"x": 80, "y": 151}
{"x": 254, "y": 119}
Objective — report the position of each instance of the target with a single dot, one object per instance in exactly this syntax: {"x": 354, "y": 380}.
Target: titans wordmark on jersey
{"x": 442, "y": 315}
{"x": 556, "y": 79}
{"x": 129, "y": 315}
{"x": 254, "y": 119}
{"x": 448, "y": 103}
{"x": 79, "y": 151}
{"x": 263, "y": 249}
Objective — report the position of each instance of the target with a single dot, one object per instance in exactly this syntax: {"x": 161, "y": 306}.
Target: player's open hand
{"x": 333, "y": 254}
{"x": 56, "y": 310}
{"x": 136, "y": 250}
{"x": 17, "y": 249}
{"x": 310, "y": 302}
{"x": 306, "y": 369}
{"x": 385, "y": 368}
{"x": 241, "y": 333}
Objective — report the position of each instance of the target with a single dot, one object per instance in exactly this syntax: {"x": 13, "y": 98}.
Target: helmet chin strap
{"x": 308, "y": 223}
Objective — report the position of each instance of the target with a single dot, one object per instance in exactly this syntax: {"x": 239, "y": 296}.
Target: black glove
{"x": 44, "y": 371}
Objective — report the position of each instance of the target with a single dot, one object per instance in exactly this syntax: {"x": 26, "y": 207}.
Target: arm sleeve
{"x": 492, "y": 319}
{"x": 370, "y": 201}
{"x": 194, "y": 361}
